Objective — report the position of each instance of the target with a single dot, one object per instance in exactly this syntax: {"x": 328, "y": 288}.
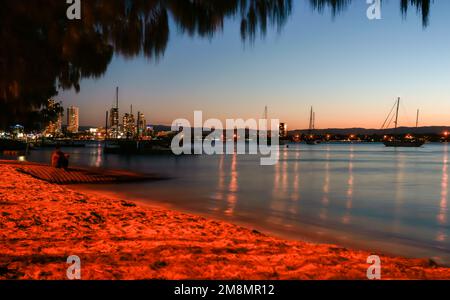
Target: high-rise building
{"x": 129, "y": 124}
{"x": 283, "y": 130}
{"x": 114, "y": 117}
{"x": 73, "y": 115}
{"x": 54, "y": 128}
{"x": 59, "y": 122}
{"x": 114, "y": 123}
{"x": 142, "y": 124}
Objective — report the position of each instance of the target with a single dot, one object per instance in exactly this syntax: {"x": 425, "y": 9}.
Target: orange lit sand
{"x": 42, "y": 224}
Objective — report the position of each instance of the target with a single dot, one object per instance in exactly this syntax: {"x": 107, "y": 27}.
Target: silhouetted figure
{"x": 60, "y": 160}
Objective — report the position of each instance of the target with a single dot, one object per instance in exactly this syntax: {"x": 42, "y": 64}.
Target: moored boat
{"x": 311, "y": 138}
{"x": 404, "y": 143}
{"x": 407, "y": 142}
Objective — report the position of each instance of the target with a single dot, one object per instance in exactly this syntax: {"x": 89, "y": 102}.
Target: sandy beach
{"x": 42, "y": 224}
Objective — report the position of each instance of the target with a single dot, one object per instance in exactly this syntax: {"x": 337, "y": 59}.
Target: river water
{"x": 356, "y": 195}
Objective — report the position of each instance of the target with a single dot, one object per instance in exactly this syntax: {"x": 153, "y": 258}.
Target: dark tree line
{"x": 41, "y": 51}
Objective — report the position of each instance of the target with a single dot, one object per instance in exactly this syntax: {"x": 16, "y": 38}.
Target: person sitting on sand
{"x": 59, "y": 159}
{"x": 55, "y": 156}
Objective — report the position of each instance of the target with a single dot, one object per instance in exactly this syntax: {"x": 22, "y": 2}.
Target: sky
{"x": 349, "y": 68}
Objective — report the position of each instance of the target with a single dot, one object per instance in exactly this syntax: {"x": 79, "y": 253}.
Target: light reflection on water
{"x": 368, "y": 196}
{"x": 442, "y": 235}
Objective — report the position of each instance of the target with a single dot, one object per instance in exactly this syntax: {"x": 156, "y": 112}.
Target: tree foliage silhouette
{"x": 41, "y": 51}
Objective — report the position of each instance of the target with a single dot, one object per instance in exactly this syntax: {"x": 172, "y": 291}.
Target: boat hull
{"x": 313, "y": 143}
{"x": 407, "y": 144}
{"x": 137, "y": 147}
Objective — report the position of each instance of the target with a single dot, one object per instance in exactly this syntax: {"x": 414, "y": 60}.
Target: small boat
{"x": 409, "y": 141}
{"x": 404, "y": 143}
{"x": 134, "y": 147}
{"x": 313, "y": 142}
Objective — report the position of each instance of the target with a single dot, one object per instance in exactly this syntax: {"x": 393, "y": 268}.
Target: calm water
{"x": 366, "y": 196}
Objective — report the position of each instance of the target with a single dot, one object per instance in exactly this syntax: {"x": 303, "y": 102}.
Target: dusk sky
{"x": 349, "y": 68}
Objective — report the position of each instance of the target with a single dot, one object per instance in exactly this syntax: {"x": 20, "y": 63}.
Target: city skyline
{"x": 315, "y": 60}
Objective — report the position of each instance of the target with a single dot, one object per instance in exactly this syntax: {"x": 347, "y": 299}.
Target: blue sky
{"x": 350, "y": 68}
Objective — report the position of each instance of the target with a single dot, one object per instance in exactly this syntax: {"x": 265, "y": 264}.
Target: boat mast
{"x": 417, "y": 119}
{"x": 117, "y": 98}
{"x": 396, "y": 114}
{"x": 106, "y": 125}
{"x": 314, "y": 121}
{"x": 311, "y": 121}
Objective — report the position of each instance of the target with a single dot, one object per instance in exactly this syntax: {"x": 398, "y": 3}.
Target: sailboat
{"x": 409, "y": 141}
{"x": 311, "y": 139}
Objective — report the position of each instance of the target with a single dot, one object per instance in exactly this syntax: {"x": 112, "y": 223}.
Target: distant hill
{"x": 358, "y": 131}
{"x": 432, "y": 130}
{"x": 365, "y": 131}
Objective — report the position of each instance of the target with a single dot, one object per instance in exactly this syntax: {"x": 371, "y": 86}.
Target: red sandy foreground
{"x": 42, "y": 224}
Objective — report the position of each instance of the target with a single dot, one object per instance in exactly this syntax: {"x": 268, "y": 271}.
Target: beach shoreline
{"x": 310, "y": 233}
{"x": 42, "y": 224}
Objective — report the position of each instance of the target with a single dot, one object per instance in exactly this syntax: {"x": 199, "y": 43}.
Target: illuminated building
{"x": 142, "y": 124}
{"x": 129, "y": 124}
{"x": 73, "y": 115}
{"x": 283, "y": 130}
{"x": 114, "y": 117}
{"x": 54, "y": 128}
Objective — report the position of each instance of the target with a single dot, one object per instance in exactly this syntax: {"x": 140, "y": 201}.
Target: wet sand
{"x": 41, "y": 224}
